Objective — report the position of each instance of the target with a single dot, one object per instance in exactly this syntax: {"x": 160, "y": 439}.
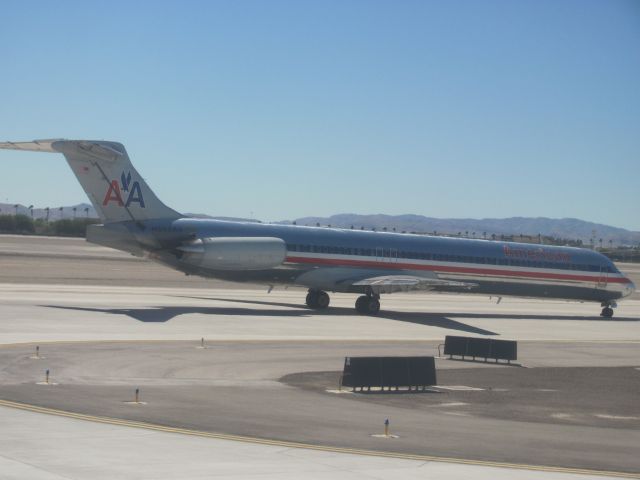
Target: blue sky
{"x": 287, "y": 109}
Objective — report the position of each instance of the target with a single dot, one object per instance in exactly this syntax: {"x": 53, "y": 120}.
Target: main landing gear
{"x": 607, "y": 309}
{"x": 317, "y": 299}
{"x": 368, "y": 304}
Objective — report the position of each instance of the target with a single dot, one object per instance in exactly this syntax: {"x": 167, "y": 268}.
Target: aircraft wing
{"x": 403, "y": 283}
{"x": 341, "y": 279}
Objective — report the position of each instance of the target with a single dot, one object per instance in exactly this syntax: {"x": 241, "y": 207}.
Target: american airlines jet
{"x": 322, "y": 259}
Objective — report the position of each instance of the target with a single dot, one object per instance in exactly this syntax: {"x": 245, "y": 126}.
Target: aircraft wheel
{"x": 607, "y": 312}
{"x": 367, "y": 305}
{"x": 361, "y": 304}
{"x": 373, "y": 306}
{"x": 322, "y": 300}
{"x": 312, "y": 299}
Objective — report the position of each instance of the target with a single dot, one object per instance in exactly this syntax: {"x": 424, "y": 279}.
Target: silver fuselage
{"x": 326, "y": 258}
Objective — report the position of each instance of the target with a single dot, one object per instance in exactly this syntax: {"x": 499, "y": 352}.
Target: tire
{"x": 322, "y": 300}
{"x": 607, "y": 312}
{"x": 373, "y": 307}
{"x": 361, "y": 304}
{"x": 312, "y": 299}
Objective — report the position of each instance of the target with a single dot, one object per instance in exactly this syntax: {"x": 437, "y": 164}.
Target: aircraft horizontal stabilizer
{"x": 92, "y": 150}
{"x": 35, "y": 146}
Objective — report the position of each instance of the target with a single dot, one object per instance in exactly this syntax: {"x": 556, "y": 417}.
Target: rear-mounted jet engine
{"x": 235, "y": 253}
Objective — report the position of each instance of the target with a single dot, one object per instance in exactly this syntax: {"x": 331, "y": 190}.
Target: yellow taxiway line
{"x": 323, "y": 448}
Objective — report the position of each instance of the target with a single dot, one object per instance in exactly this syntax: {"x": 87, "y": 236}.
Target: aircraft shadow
{"x": 164, "y": 314}
{"x": 161, "y": 314}
{"x": 427, "y": 319}
{"x": 401, "y": 315}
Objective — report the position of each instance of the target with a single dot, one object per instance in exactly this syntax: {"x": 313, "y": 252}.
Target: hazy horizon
{"x": 221, "y": 215}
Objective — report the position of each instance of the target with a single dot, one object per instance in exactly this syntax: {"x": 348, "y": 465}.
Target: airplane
{"x": 323, "y": 259}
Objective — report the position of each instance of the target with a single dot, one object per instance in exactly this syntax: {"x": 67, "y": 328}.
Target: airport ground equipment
{"x": 487, "y": 348}
{"x": 388, "y": 372}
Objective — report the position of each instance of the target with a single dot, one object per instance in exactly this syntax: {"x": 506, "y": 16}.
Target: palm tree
{"x": 74, "y": 211}
{"x": 47, "y": 210}
{"x": 30, "y": 207}
{"x": 16, "y": 207}
{"x": 600, "y": 244}
{"x": 86, "y": 211}
{"x": 60, "y": 210}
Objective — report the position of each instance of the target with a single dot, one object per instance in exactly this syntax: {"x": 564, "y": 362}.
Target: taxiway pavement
{"x": 139, "y": 325}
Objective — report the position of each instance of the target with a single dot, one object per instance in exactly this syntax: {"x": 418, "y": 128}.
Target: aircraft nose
{"x": 629, "y": 288}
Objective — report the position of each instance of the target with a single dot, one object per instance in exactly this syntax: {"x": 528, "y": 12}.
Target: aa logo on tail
{"x": 132, "y": 189}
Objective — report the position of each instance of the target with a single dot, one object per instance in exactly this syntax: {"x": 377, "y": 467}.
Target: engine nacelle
{"x": 235, "y": 253}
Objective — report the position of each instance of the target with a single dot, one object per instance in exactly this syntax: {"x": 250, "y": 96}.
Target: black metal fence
{"x": 481, "y": 348}
{"x": 388, "y": 372}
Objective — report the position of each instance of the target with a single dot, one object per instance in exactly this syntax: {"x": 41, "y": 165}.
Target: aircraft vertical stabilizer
{"x": 104, "y": 170}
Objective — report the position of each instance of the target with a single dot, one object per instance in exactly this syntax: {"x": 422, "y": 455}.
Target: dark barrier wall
{"x": 481, "y": 347}
{"x": 388, "y": 372}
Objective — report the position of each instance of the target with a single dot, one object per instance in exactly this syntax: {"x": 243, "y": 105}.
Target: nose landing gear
{"x": 607, "y": 309}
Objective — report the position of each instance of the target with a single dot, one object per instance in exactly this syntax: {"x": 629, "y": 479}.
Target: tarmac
{"x": 260, "y": 398}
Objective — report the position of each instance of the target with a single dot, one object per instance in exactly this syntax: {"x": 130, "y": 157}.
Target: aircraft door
{"x": 386, "y": 255}
{"x": 603, "y": 279}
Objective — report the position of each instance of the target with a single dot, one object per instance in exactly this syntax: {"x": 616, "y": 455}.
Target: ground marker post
{"x": 37, "y": 351}
{"x": 46, "y": 377}
{"x": 386, "y": 427}
{"x": 137, "y": 395}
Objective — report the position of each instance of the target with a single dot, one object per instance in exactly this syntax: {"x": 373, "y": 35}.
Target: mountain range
{"x": 566, "y": 228}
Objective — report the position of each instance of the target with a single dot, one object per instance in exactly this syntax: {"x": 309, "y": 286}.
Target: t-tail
{"x": 115, "y": 188}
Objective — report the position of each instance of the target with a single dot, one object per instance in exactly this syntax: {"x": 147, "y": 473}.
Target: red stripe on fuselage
{"x": 449, "y": 269}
